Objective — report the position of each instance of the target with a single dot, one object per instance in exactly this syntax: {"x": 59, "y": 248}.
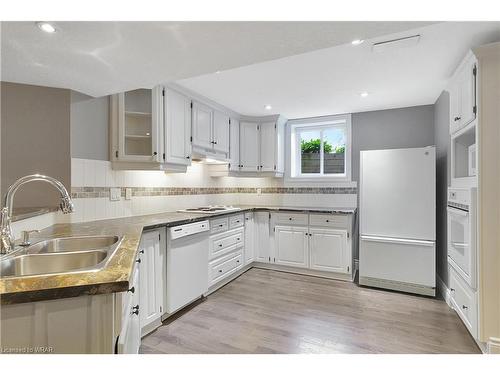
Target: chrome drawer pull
{"x": 465, "y": 307}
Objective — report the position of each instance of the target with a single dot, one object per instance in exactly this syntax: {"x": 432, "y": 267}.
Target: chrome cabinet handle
{"x": 155, "y": 153}
{"x": 465, "y": 307}
{"x": 457, "y": 118}
{"x": 138, "y": 260}
{"x": 220, "y": 271}
{"x": 132, "y": 290}
{"x": 220, "y": 245}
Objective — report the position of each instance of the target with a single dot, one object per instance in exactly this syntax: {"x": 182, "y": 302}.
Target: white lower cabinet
{"x": 464, "y": 300}
{"x": 129, "y": 339}
{"x": 262, "y": 240}
{"x": 249, "y": 238}
{"x": 328, "y": 250}
{"x": 291, "y": 246}
{"x": 152, "y": 280}
{"x": 225, "y": 249}
{"x": 317, "y": 242}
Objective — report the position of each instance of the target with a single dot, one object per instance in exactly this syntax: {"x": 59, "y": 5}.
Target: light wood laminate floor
{"x": 266, "y": 311}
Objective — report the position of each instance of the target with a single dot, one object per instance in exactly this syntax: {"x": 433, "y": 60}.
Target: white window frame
{"x": 293, "y": 174}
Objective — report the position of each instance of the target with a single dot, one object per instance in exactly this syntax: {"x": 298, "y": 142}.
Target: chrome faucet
{"x": 6, "y": 237}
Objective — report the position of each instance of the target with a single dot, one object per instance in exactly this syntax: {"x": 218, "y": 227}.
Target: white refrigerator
{"x": 397, "y": 211}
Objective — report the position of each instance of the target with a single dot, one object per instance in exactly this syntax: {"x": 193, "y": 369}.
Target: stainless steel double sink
{"x": 60, "y": 255}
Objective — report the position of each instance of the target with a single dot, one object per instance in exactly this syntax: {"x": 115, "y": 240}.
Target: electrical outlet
{"x": 115, "y": 194}
{"x": 128, "y": 194}
{"x": 259, "y": 191}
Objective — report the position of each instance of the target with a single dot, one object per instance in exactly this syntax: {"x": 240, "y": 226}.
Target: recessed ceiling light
{"x": 268, "y": 107}
{"x": 217, "y": 72}
{"x": 47, "y": 27}
{"x": 357, "y": 42}
{"x": 364, "y": 94}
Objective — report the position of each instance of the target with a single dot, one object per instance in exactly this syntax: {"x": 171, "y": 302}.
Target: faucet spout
{"x": 6, "y": 237}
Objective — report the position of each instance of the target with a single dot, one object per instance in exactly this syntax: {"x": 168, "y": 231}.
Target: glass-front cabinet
{"x": 139, "y": 121}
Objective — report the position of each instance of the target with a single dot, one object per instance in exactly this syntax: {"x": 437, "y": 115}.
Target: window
{"x": 320, "y": 148}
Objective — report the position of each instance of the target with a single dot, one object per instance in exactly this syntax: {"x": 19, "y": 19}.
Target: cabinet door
{"x": 291, "y": 246}
{"x": 151, "y": 278}
{"x": 234, "y": 145}
{"x": 177, "y": 128}
{"x": 129, "y": 339}
{"x": 328, "y": 250}
{"x": 268, "y": 147}
{"x": 262, "y": 243}
{"x": 455, "y": 102}
{"x": 249, "y": 146}
{"x": 140, "y": 116}
{"x": 249, "y": 238}
{"x": 221, "y": 132}
{"x": 467, "y": 97}
{"x": 202, "y": 126}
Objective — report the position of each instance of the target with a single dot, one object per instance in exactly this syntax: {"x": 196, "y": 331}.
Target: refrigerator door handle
{"x": 397, "y": 240}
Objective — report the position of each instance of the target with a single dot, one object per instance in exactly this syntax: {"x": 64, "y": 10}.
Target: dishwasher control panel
{"x": 188, "y": 229}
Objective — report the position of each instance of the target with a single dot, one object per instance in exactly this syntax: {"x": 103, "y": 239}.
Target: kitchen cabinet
{"x": 249, "y": 146}
{"x": 249, "y": 238}
{"x": 150, "y": 129}
{"x": 177, "y": 132}
{"x": 210, "y": 130}
{"x": 152, "y": 279}
{"x": 328, "y": 250}
{"x": 262, "y": 244}
{"x": 463, "y": 107}
{"x": 291, "y": 246}
{"x": 234, "y": 145}
{"x": 129, "y": 339}
{"x": 221, "y": 132}
{"x": 262, "y": 146}
{"x": 136, "y": 126}
{"x": 202, "y": 118}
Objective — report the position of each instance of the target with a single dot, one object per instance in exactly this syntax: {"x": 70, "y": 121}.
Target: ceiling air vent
{"x": 387, "y": 45}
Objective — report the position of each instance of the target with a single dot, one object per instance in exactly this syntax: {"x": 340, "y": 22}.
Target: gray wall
{"x": 443, "y": 174}
{"x": 89, "y": 127}
{"x": 392, "y": 128}
{"x": 35, "y": 139}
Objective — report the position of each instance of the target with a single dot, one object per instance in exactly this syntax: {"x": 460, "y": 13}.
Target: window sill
{"x": 320, "y": 182}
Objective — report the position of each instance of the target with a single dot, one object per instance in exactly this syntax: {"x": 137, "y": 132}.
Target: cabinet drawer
{"x": 221, "y": 268}
{"x": 290, "y": 218}
{"x": 337, "y": 221}
{"x": 225, "y": 242}
{"x": 464, "y": 300}
{"x": 236, "y": 221}
{"x": 219, "y": 225}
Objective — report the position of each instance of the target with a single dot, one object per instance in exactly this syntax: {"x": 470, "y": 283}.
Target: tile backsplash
{"x": 157, "y": 191}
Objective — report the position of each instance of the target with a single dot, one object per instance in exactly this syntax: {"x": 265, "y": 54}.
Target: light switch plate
{"x": 259, "y": 191}
{"x": 128, "y": 194}
{"x": 114, "y": 194}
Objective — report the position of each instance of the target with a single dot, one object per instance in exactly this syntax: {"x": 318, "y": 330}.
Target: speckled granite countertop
{"x": 114, "y": 277}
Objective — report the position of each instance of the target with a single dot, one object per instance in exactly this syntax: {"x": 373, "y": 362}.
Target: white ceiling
{"x": 99, "y": 58}
{"x": 329, "y": 81}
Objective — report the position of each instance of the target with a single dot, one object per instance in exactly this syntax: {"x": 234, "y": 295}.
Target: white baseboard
{"x": 493, "y": 345}
{"x": 444, "y": 290}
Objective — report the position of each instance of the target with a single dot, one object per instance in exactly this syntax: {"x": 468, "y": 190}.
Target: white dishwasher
{"x": 187, "y": 264}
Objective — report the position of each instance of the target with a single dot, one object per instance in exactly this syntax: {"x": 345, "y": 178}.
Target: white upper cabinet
{"x": 221, "y": 132}
{"x": 234, "y": 145}
{"x": 210, "y": 131}
{"x": 249, "y": 147}
{"x": 202, "y": 125}
{"x": 136, "y": 127}
{"x": 177, "y": 109}
{"x": 463, "y": 94}
{"x": 262, "y": 146}
{"x": 268, "y": 147}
